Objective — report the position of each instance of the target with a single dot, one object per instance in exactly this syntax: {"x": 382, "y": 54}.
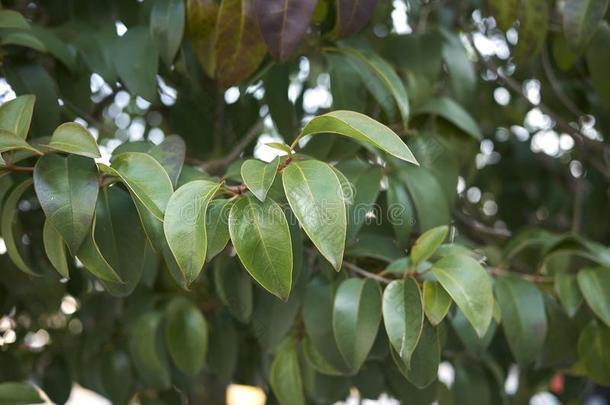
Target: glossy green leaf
{"x": 239, "y": 47}
{"x": 259, "y": 176}
{"x": 184, "y": 225}
{"x": 148, "y": 352}
{"x": 90, "y": 255}
{"x": 17, "y": 393}
{"x": 234, "y": 288}
{"x": 167, "y": 21}
{"x": 427, "y": 243}
{"x": 285, "y": 379}
{"x": 23, "y": 38}
{"x": 403, "y": 316}
{"x": 597, "y": 61}
{"x": 217, "y": 226}
{"x": 469, "y": 286}
{"x": 67, "y": 189}
{"x": 580, "y": 20}
{"x": 523, "y": 317}
{"x": 16, "y": 114}
{"x": 54, "y": 247}
{"x": 186, "y": 335}
{"x": 356, "y": 317}
{"x": 12, "y": 19}
{"x": 170, "y": 154}
{"x": 259, "y": 232}
{"x": 9, "y": 141}
{"x": 423, "y": 368}
{"x": 315, "y": 196}
{"x": 566, "y": 287}
{"x": 451, "y": 111}
{"x": 594, "y": 284}
{"x": 593, "y": 352}
{"x": 136, "y": 62}
{"x": 9, "y": 213}
{"x": 74, "y": 138}
{"x": 436, "y": 302}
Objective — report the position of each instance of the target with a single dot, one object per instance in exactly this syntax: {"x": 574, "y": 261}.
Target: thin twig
{"x": 534, "y": 278}
{"x": 13, "y": 168}
{"x": 481, "y": 227}
{"x": 355, "y": 269}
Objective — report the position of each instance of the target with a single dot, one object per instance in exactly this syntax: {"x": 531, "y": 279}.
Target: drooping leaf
{"x": 186, "y": 335}
{"x": 18, "y": 393}
{"x": 581, "y": 19}
{"x": 16, "y": 114}
{"x": 436, "y": 302}
{"x": 345, "y": 84}
{"x": 453, "y": 112}
{"x": 167, "y": 21}
{"x": 286, "y": 381}
{"x": 283, "y": 23}
{"x": 277, "y": 82}
{"x": 117, "y": 376}
{"x": 594, "y": 284}
{"x": 356, "y": 317}
{"x": 234, "y": 288}
{"x": 403, "y": 316}
{"x": 597, "y": 60}
{"x": 593, "y": 352}
{"x": 13, "y": 19}
{"x": 401, "y": 212}
{"x": 462, "y": 74}
{"x": 148, "y": 352}
{"x": 73, "y": 138}
{"x": 23, "y": 38}
{"x": 352, "y": 16}
{"x": 423, "y": 367}
{"x": 184, "y": 225}
{"x": 261, "y": 237}
{"x": 469, "y": 286}
{"x": 57, "y": 380}
{"x": 239, "y": 46}
{"x": 566, "y": 287}
{"x": 9, "y": 141}
{"x": 54, "y": 247}
{"x": 55, "y": 46}
{"x": 136, "y": 61}
{"x": 427, "y": 243}
{"x": 523, "y": 317}
{"x": 92, "y": 259}
{"x": 314, "y": 193}
{"x": 259, "y": 176}
{"x": 217, "y": 225}
{"x": 67, "y": 189}
{"x": 170, "y": 154}
{"x": 473, "y": 343}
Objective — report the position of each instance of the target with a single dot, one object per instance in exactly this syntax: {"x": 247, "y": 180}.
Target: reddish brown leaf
{"x": 352, "y": 15}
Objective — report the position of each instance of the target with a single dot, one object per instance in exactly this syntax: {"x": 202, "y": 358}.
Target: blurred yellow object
{"x": 245, "y": 394}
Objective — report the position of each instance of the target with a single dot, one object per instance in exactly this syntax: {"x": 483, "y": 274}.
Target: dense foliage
{"x": 307, "y": 196}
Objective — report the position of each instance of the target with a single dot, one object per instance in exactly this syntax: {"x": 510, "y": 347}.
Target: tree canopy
{"x": 306, "y": 196}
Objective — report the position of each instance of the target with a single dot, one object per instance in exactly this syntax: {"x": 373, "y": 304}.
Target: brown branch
{"x": 534, "y": 278}
{"x": 355, "y": 269}
{"x": 481, "y": 227}
{"x": 13, "y": 168}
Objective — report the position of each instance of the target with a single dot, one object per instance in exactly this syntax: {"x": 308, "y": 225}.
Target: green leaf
{"x": 186, "y": 335}
{"x": 117, "y": 376}
{"x": 281, "y": 109}
{"x": 362, "y": 128}
{"x": 285, "y": 379}
{"x": 401, "y": 212}
{"x": 403, "y": 316}
{"x": 259, "y": 176}
{"x": 217, "y": 226}
{"x": 314, "y": 193}
{"x": 580, "y": 20}
{"x": 170, "y": 154}
{"x": 523, "y": 317}
{"x": 452, "y": 112}
{"x": 16, "y": 114}
{"x": 470, "y": 287}
{"x": 505, "y": 12}
{"x": 466, "y": 333}
{"x": 593, "y": 352}
{"x": 533, "y": 28}
{"x": 23, "y": 38}
{"x": 261, "y": 237}
{"x": 598, "y": 59}
{"x": 436, "y": 302}
{"x": 375, "y": 246}
{"x": 9, "y": 212}
{"x": 594, "y": 284}
{"x": 147, "y": 351}
{"x": 13, "y": 19}
{"x": 427, "y": 243}
{"x": 184, "y": 225}
{"x": 136, "y": 62}
{"x": 16, "y": 393}
{"x": 356, "y": 317}
{"x": 239, "y": 46}
{"x": 234, "y": 288}
{"x": 9, "y": 141}
{"x": 90, "y": 255}
{"x": 167, "y": 20}
{"x": 67, "y": 189}
{"x": 280, "y": 146}
{"x": 566, "y": 287}
{"x": 146, "y": 180}
{"x": 56, "y": 46}
{"x": 423, "y": 368}
{"x": 55, "y": 248}
{"x": 74, "y": 138}
{"x": 347, "y": 88}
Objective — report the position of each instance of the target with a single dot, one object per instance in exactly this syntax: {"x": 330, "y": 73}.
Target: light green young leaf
{"x": 523, "y": 317}
{"x": 184, "y": 225}
{"x": 259, "y": 176}
{"x": 436, "y": 302}
{"x": 356, "y": 317}
{"x": 594, "y": 284}
{"x": 315, "y": 196}
{"x": 280, "y": 146}
{"x": 71, "y": 137}
{"x": 16, "y": 114}
{"x": 9, "y": 141}
{"x": 167, "y": 20}
{"x": 17, "y": 393}
{"x": 286, "y": 381}
{"x": 361, "y": 128}
{"x": 186, "y": 335}
{"x": 469, "y": 285}
{"x": 403, "y": 316}
{"x": 452, "y": 112}
{"x": 147, "y": 352}
{"x": 67, "y": 189}
{"x": 55, "y": 248}
{"x": 261, "y": 237}
{"x": 427, "y": 243}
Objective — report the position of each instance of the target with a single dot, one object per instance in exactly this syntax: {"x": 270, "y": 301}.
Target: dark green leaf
{"x": 136, "y": 62}
{"x": 74, "y": 138}
{"x": 9, "y": 141}
{"x": 594, "y": 284}
{"x": 55, "y": 248}
{"x": 234, "y": 288}
{"x": 452, "y": 112}
{"x": 23, "y": 38}
{"x": 16, "y": 393}
{"x": 16, "y": 115}
{"x": 148, "y": 353}
{"x": 423, "y": 368}
{"x": 566, "y": 287}
{"x": 281, "y": 109}
{"x": 167, "y": 20}
{"x": 217, "y": 226}
{"x": 593, "y": 352}
{"x": 12, "y": 19}
{"x": 533, "y": 27}
{"x": 170, "y": 154}
{"x": 598, "y": 58}
{"x": 285, "y": 379}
